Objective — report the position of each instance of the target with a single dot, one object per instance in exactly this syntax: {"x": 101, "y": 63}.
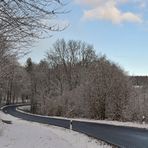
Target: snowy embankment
{"x": 23, "y": 134}
{"x": 116, "y": 123}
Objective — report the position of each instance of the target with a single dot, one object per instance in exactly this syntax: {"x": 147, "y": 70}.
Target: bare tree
{"x": 107, "y": 90}
{"x": 23, "y": 20}
{"x": 67, "y": 58}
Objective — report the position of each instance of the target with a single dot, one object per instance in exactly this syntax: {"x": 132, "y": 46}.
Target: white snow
{"x": 23, "y": 134}
{"x": 25, "y": 108}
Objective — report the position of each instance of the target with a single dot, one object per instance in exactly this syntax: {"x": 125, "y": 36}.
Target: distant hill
{"x": 139, "y": 80}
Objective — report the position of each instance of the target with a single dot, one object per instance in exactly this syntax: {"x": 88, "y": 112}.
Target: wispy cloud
{"x": 108, "y": 10}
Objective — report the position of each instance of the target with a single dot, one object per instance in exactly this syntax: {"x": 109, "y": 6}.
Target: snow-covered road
{"x": 23, "y": 134}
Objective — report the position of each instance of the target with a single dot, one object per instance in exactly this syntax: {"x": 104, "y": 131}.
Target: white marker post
{"x": 70, "y": 124}
{"x": 143, "y": 119}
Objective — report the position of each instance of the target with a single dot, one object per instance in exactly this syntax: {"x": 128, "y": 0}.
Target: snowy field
{"x": 23, "y": 134}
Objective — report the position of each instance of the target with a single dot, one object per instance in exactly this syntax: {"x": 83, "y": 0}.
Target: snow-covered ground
{"x": 23, "y": 134}
{"x": 25, "y": 108}
{"x": 116, "y": 123}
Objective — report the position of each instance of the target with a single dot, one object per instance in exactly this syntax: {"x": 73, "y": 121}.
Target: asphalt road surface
{"x": 124, "y": 137}
{"x": 45, "y": 120}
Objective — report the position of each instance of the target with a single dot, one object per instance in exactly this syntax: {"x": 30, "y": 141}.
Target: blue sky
{"x": 116, "y": 28}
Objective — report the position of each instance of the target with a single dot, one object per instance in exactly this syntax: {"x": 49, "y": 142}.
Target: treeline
{"x": 139, "y": 80}
{"x": 12, "y": 75}
{"x": 73, "y": 81}
{"x": 21, "y": 23}
{"x": 14, "y": 82}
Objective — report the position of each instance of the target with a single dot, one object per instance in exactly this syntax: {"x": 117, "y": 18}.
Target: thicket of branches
{"x": 74, "y": 82}
{"x": 21, "y": 22}
{"x": 24, "y": 20}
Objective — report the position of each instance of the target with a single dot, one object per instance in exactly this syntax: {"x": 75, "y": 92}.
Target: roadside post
{"x": 143, "y": 119}
{"x": 70, "y": 124}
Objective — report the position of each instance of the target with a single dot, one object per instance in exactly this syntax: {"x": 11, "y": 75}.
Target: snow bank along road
{"x": 24, "y": 134}
{"x": 124, "y": 137}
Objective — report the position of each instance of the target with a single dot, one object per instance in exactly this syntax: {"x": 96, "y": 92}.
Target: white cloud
{"x": 108, "y": 10}
{"x": 90, "y": 2}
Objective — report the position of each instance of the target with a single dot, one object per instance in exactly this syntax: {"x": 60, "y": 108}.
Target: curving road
{"x": 45, "y": 120}
{"x": 124, "y": 137}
